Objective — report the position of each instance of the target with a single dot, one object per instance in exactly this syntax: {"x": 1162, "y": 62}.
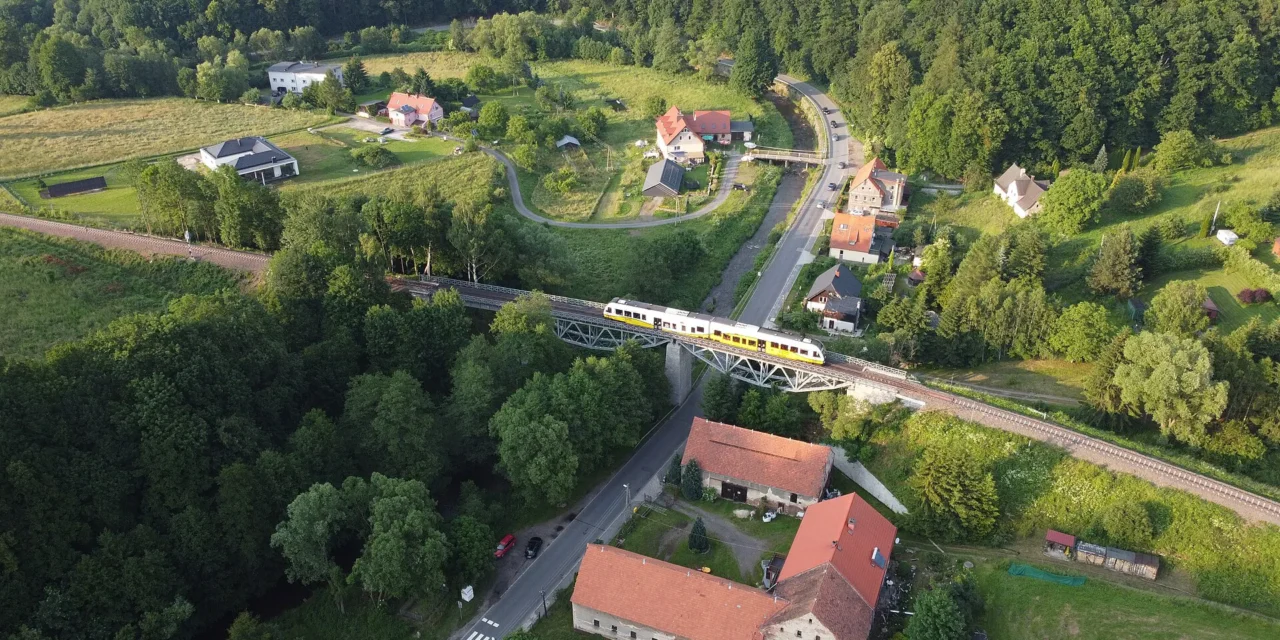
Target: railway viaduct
{"x": 582, "y": 323}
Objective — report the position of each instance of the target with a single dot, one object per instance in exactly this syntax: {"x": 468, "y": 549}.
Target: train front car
{"x": 698, "y": 325}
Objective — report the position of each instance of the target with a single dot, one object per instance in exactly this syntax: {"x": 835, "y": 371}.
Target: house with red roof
{"x": 410, "y": 109}
{"x": 865, "y": 238}
{"x": 758, "y": 468}
{"x": 683, "y": 137}
{"x": 828, "y": 588}
{"x": 876, "y": 188}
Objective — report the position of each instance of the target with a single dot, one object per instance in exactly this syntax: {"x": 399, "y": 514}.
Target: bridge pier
{"x": 874, "y": 394}
{"x": 679, "y": 372}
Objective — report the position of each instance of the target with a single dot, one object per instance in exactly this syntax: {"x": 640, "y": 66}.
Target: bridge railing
{"x": 463, "y": 284}
{"x": 840, "y": 358}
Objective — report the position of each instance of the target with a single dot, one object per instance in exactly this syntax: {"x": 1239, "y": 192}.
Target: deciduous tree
{"x": 1171, "y": 379}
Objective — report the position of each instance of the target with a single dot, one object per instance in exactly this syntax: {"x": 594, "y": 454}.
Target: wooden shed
{"x": 1090, "y": 553}
{"x": 1059, "y": 545}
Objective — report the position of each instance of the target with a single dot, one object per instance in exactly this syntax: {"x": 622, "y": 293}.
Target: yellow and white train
{"x": 701, "y": 325}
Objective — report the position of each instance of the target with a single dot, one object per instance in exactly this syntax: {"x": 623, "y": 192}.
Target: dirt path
{"x": 746, "y": 549}
{"x": 141, "y": 243}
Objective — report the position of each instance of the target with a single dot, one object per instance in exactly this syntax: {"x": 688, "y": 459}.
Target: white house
{"x": 1020, "y": 190}
{"x": 836, "y": 296}
{"x": 1227, "y": 237}
{"x": 254, "y": 158}
{"x": 296, "y": 76}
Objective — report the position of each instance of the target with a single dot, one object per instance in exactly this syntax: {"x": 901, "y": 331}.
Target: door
{"x": 730, "y": 491}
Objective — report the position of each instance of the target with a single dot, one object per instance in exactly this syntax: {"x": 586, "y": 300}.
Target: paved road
{"x": 726, "y": 183}
{"x": 552, "y": 571}
{"x": 144, "y": 244}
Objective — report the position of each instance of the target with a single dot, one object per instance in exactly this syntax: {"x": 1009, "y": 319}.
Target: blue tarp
{"x": 1032, "y": 572}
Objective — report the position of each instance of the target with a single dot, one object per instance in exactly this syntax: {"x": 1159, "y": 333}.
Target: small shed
{"x": 1210, "y": 309}
{"x": 371, "y": 108}
{"x": 915, "y": 278}
{"x": 1134, "y": 564}
{"x": 471, "y": 106}
{"x": 1090, "y": 553}
{"x": 568, "y": 141}
{"x": 1058, "y": 544}
{"x": 75, "y": 187}
{"x": 1227, "y": 237}
{"x": 663, "y": 179}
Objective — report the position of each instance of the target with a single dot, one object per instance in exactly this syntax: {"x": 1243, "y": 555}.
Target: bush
{"x": 709, "y": 494}
{"x": 1179, "y": 150}
{"x": 374, "y": 156}
{"x": 563, "y": 180}
{"x": 654, "y": 106}
{"x": 691, "y": 481}
{"x": 1252, "y": 296}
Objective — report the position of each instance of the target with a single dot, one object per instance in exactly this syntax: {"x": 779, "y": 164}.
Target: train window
{"x": 773, "y": 344}
{"x": 804, "y": 352}
{"x": 795, "y": 350}
{"x": 717, "y": 333}
{"x": 735, "y": 339}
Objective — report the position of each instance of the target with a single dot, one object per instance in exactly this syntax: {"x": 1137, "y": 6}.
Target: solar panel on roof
{"x": 878, "y": 559}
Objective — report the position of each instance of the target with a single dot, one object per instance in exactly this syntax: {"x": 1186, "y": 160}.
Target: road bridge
{"x": 582, "y": 323}
{"x": 786, "y": 155}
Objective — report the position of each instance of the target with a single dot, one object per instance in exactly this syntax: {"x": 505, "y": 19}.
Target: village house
{"x": 866, "y": 238}
{"x": 682, "y": 138}
{"x": 411, "y": 109}
{"x": 874, "y": 188}
{"x": 663, "y": 179}
{"x": 294, "y": 77}
{"x": 827, "y": 590}
{"x": 254, "y": 158}
{"x": 758, "y": 468}
{"x": 836, "y": 295}
{"x": 1020, "y": 190}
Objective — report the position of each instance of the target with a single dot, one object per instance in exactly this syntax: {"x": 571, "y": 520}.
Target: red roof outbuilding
{"x": 1057, "y": 537}
{"x": 758, "y": 457}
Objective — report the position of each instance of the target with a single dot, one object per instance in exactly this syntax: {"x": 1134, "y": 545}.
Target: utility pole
{"x": 627, "y": 489}
{"x": 544, "y": 601}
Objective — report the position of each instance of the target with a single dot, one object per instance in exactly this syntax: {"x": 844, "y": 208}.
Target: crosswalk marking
{"x": 473, "y": 635}
{"x": 492, "y": 622}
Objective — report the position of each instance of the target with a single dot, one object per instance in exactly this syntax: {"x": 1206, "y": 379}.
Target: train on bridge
{"x": 701, "y": 325}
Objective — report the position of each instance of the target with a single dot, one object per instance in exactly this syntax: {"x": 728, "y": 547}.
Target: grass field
{"x": 465, "y": 176}
{"x": 325, "y": 155}
{"x": 55, "y": 290}
{"x": 970, "y": 214}
{"x": 10, "y": 105}
{"x": 1019, "y": 607}
{"x": 115, "y": 207}
{"x": 665, "y": 536}
{"x": 1222, "y": 287}
{"x": 106, "y": 131}
{"x": 1051, "y": 377}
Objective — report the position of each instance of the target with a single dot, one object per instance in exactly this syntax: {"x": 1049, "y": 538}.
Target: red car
{"x": 504, "y": 545}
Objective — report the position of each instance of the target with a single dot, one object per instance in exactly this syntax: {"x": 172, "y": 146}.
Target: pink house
{"x": 409, "y": 109}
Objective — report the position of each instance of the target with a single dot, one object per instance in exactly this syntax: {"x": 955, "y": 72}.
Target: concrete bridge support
{"x": 679, "y": 372}
{"x": 872, "y": 393}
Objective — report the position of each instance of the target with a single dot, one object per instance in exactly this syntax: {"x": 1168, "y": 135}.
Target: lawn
{"x": 325, "y": 154}
{"x": 600, "y": 195}
{"x": 970, "y": 214}
{"x": 602, "y": 259}
{"x": 1222, "y": 287}
{"x": 416, "y": 149}
{"x": 1019, "y": 607}
{"x": 1049, "y": 377}
{"x": 107, "y": 131}
{"x": 469, "y": 175}
{"x": 54, "y": 290}
{"x": 665, "y": 535}
{"x": 115, "y": 207}
{"x": 10, "y": 105}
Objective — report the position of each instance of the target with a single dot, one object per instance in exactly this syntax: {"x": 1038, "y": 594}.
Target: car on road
{"x": 841, "y": 164}
{"x": 531, "y": 550}
{"x": 504, "y": 545}
{"x": 387, "y": 130}
{"x": 826, "y": 111}
{"x": 833, "y": 123}
{"x": 831, "y": 186}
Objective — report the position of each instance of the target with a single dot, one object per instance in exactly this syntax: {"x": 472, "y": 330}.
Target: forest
{"x": 160, "y": 474}
{"x": 953, "y": 87}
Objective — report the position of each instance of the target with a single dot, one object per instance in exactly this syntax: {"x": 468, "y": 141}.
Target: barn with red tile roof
{"x": 756, "y": 467}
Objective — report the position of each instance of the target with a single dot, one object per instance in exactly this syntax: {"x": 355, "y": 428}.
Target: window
{"x": 633, "y": 634}
{"x": 804, "y": 352}
{"x": 595, "y": 623}
{"x": 735, "y": 339}
{"x": 716, "y": 333}
{"x": 613, "y": 628}
{"x": 799, "y": 634}
{"x": 795, "y": 498}
{"x": 844, "y": 227}
{"x": 794, "y": 350}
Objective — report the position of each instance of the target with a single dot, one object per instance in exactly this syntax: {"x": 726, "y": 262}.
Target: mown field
{"x": 457, "y": 177}
{"x": 1019, "y": 607}
{"x": 115, "y": 207}
{"x": 106, "y": 131}
{"x": 54, "y": 290}
{"x": 10, "y": 105}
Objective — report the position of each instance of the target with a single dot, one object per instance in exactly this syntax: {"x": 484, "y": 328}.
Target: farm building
{"x": 663, "y": 179}
{"x": 758, "y": 468}
{"x": 75, "y": 187}
{"x": 1058, "y": 544}
{"x": 1143, "y": 565}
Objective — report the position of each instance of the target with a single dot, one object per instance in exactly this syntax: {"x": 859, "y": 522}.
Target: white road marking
{"x": 473, "y": 635}
{"x": 492, "y": 622}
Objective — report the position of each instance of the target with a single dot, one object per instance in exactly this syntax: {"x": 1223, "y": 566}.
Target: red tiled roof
{"x": 710, "y": 122}
{"x": 824, "y": 594}
{"x": 670, "y": 124}
{"x": 422, "y": 104}
{"x": 683, "y": 602}
{"x": 1060, "y": 538}
{"x": 759, "y": 458}
{"x": 864, "y": 174}
{"x": 852, "y": 233}
{"x": 843, "y": 532}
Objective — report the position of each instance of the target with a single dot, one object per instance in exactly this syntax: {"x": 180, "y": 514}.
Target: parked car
{"x": 387, "y": 130}
{"x": 531, "y": 550}
{"x": 831, "y": 186}
{"x": 841, "y": 164}
{"x": 830, "y": 492}
{"x": 769, "y": 516}
{"x": 504, "y": 545}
